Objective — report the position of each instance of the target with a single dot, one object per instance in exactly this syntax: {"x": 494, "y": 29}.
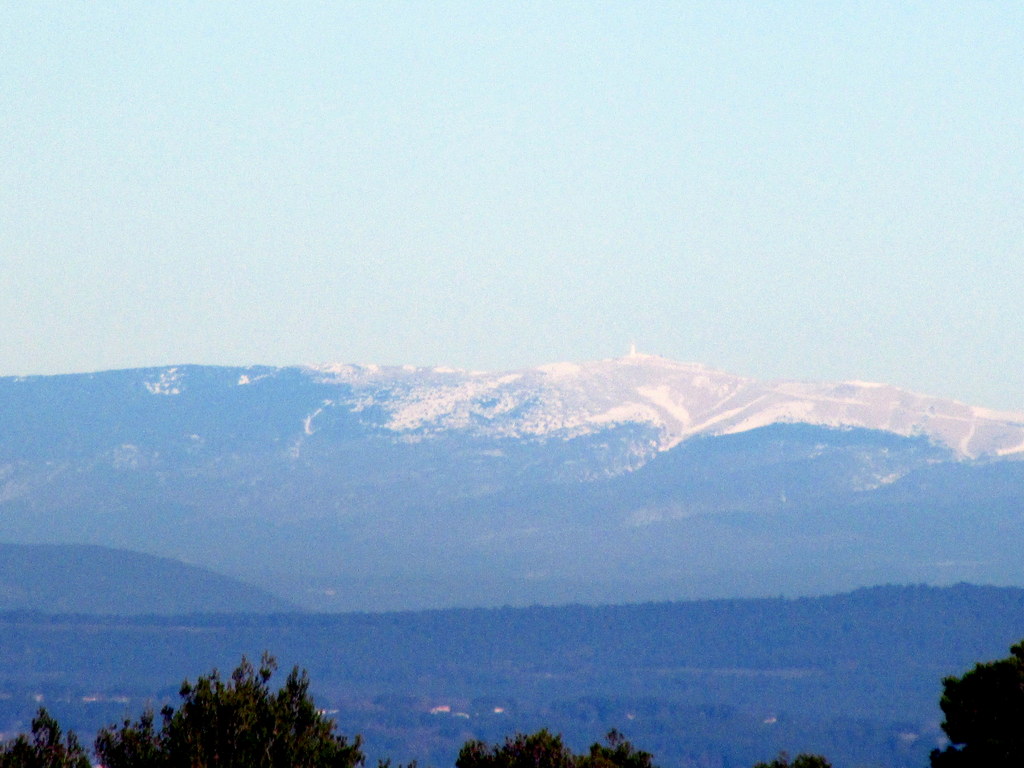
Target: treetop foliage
{"x": 546, "y": 750}
{"x": 238, "y": 723}
{"x": 802, "y": 760}
{"x": 47, "y": 748}
{"x": 617, "y": 753}
{"x": 984, "y": 712}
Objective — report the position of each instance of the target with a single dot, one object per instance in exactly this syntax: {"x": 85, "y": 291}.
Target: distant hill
{"x": 68, "y": 578}
{"x": 724, "y": 683}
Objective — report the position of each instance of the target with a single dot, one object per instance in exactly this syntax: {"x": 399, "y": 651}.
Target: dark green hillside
{"x": 68, "y": 578}
{"x": 722, "y": 683}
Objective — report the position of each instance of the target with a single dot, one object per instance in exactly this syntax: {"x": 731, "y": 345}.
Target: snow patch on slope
{"x": 675, "y": 400}
{"x": 168, "y": 383}
{"x": 627, "y": 412}
{"x": 451, "y": 407}
{"x": 793, "y": 412}
{"x": 1010, "y": 451}
{"x": 663, "y": 397}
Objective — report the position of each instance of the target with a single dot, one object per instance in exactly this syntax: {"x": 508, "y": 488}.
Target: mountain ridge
{"x": 563, "y": 400}
{"x": 682, "y": 400}
{"x": 367, "y": 487}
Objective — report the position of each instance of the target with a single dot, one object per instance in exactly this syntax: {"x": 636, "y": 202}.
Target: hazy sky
{"x": 782, "y": 190}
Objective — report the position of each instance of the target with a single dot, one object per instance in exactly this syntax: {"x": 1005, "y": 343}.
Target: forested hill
{"x": 854, "y": 676}
{"x": 75, "y": 578}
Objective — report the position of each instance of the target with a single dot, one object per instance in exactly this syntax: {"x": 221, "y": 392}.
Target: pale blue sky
{"x": 782, "y": 190}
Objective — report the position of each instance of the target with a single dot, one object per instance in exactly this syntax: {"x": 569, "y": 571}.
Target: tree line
{"x": 240, "y": 722}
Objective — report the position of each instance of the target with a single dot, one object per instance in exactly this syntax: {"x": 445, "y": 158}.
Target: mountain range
{"x": 637, "y": 478}
{"x": 675, "y": 400}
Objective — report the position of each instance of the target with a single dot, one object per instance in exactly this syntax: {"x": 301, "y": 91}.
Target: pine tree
{"x": 47, "y": 748}
{"x": 238, "y": 723}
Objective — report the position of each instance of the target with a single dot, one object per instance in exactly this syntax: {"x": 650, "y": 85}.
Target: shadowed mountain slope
{"x": 66, "y": 578}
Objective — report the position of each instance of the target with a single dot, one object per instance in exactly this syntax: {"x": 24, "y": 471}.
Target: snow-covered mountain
{"x": 678, "y": 400}
{"x": 359, "y": 486}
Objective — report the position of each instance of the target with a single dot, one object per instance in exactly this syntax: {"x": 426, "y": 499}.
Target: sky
{"x": 791, "y": 190}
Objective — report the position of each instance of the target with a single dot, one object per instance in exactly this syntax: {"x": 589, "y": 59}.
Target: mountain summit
{"x": 677, "y": 400}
